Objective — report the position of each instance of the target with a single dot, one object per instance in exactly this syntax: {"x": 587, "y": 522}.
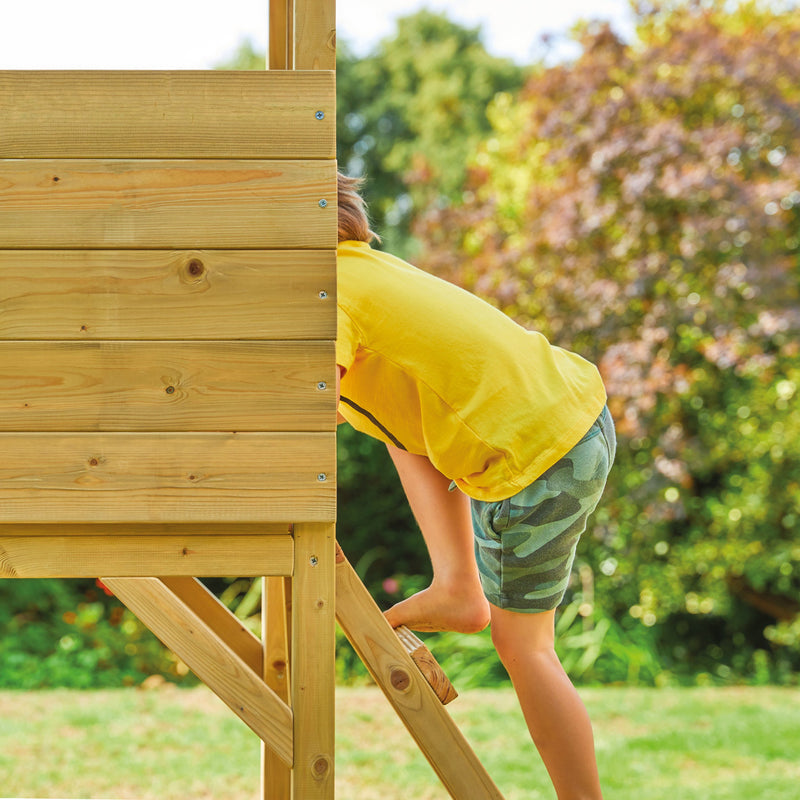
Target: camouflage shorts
{"x": 525, "y": 545}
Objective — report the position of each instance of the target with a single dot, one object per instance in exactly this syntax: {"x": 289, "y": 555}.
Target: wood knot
{"x": 320, "y": 767}
{"x": 195, "y": 267}
{"x": 400, "y": 679}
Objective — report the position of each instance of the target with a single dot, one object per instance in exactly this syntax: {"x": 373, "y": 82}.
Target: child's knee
{"x": 515, "y": 633}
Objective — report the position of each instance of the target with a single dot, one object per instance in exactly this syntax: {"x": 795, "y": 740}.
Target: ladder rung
{"x": 427, "y": 664}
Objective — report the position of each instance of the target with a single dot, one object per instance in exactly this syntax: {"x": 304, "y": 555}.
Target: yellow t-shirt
{"x": 439, "y": 372}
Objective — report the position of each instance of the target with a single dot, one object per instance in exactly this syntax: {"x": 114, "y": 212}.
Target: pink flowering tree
{"x": 642, "y": 207}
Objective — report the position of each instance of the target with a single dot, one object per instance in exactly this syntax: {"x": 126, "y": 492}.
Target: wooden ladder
{"x": 413, "y": 683}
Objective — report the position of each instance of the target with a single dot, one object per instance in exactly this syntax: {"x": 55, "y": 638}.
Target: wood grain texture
{"x": 315, "y": 34}
{"x": 280, "y": 55}
{"x": 210, "y": 658}
{"x": 141, "y": 556}
{"x": 178, "y": 477}
{"x": 167, "y": 386}
{"x": 157, "y": 294}
{"x": 226, "y": 625}
{"x": 115, "y": 530}
{"x": 427, "y": 665}
{"x": 167, "y": 114}
{"x": 276, "y": 778}
{"x": 313, "y": 661}
{"x": 87, "y": 203}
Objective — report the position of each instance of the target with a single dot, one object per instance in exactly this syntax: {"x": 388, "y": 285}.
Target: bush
{"x": 640, "y": 206}
{"x": 70, "y": 633}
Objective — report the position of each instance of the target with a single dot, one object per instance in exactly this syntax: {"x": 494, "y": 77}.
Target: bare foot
{"x": 441, "y": 609}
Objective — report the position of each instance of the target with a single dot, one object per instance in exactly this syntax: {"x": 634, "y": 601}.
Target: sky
{"x": 192, "y": 34}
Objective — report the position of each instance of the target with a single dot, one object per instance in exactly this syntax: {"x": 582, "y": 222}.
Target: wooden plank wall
{"x": 167, "y": 297}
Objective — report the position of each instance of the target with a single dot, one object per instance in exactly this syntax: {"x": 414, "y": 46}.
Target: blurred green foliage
{"x": 640, "y": 205}
{"x": 411, "y": 113}
{"x": 71, "y": 633}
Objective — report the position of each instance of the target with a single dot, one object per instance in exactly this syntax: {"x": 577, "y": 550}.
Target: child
{"x": 502, "y": 443}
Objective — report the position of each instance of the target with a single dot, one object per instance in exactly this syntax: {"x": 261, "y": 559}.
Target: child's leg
{"x": 555, "y": 715}
{"x": 454, "y": 601}
{"x": 526, "y": 547}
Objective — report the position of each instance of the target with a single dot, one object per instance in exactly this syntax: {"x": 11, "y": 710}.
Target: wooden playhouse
{"x": 167, "y": 381}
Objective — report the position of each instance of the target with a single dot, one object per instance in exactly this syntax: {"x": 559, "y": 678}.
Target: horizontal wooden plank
{"x": 149, "y": 114}
{"x": 167, "y": 204}
{"x": 157, "y": 294}
{"x": 175, "y": 530}
{"x": 167, "y": 386}
{"x": 178, "y": 477}
{"x": 143, "y": 556}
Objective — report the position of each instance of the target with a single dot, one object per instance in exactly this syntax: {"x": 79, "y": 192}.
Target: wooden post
{"x": 276, "y": 778}
{"x": 281, "y": 34}
{"x": 312, "y": 659}
{"x": 314, "y": 34}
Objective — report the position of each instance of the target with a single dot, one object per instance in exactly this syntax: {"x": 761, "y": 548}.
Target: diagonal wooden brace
{"x": 227, "y": 626}
{"x": 211, "y": 658}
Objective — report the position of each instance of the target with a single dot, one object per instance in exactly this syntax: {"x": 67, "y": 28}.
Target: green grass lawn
{"x": 658, "y": 744}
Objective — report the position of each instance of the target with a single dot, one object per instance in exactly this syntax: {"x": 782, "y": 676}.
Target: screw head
{"x": 313, "y": 561}
{"x": 323, "y": 203}
{"x": 170, "y": 390}
{"x": 320, "y": 115}
{"x": 322, "y": 477}
{"x": 323, "y": 295}
{"x": 322, "y": 386}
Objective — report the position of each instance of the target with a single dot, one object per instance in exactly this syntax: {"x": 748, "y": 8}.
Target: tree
{"x": 411, "y": 112}
{"x": 642, "y": 207}
{"x": 246, "y": 57}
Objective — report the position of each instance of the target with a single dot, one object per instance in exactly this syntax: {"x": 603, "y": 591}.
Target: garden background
{"x": 641, "y": 206}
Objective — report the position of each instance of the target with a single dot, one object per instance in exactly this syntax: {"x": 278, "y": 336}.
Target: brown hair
{"x": 353, "y": 220}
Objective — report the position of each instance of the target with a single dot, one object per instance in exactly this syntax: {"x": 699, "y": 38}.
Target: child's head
{"x": 353, "y": 220}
